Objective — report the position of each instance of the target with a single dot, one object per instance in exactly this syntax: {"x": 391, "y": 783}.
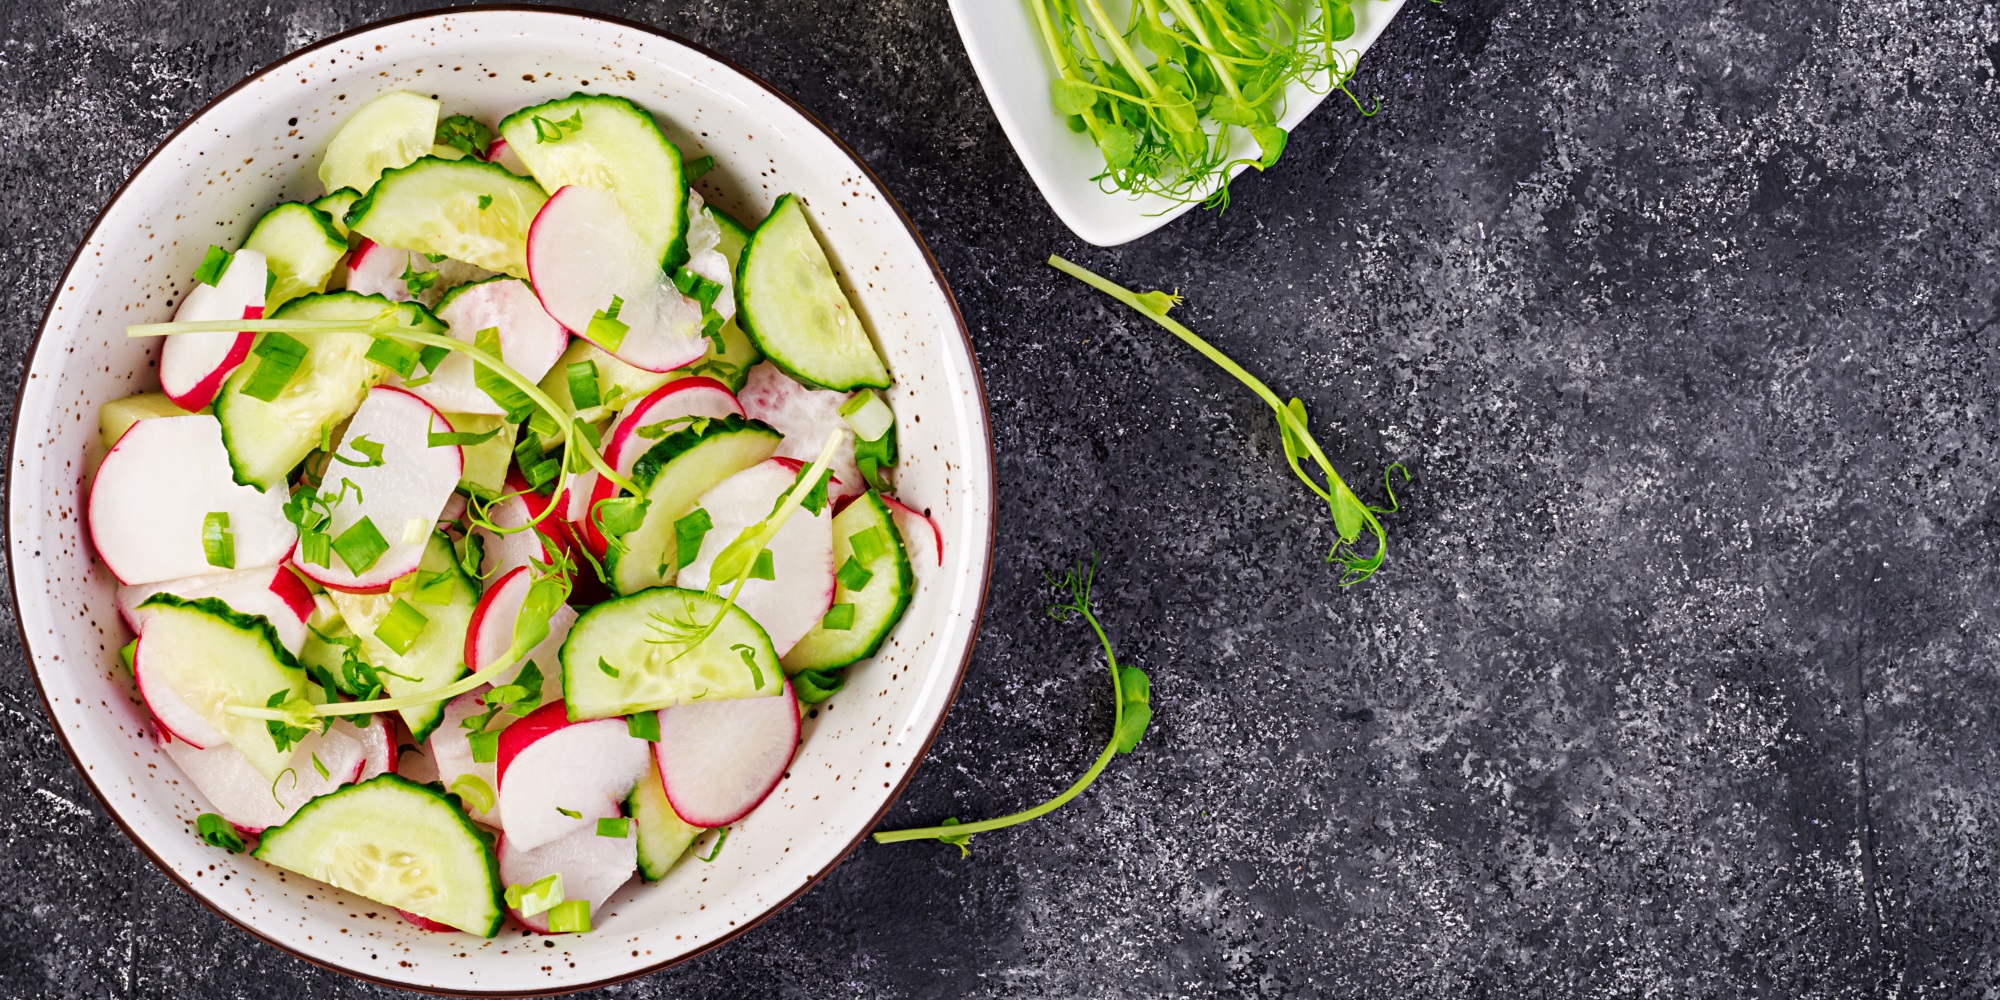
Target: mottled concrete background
{"x": 1680, "y": 680}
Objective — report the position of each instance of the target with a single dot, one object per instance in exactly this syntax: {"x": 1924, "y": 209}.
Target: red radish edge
{"x": 203, "y": 392}
{"x": 518, "y": 737}
{"x": 791, "y": 699}
{"x": 937, "y": 536}
{"x": 494, "y": 592}
{"x": 425, "y": 923}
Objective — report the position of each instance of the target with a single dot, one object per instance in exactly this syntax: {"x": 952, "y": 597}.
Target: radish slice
{"x": 508, "y": 551}
{"x": 503, "y": 154}
{"x": 157, "y": 487}
{"x": 805, "y": 417}
{"x": 495, "y": 620}
{"x": 273, "y": 593}
{"x": 378, "y": 746}
{"x": 801, "y": 588}
{"x": 179, "y": 719}
{"x": 454, "y": 508}
{"x": 450, "y": 745}
{"x": 686, "y": 397}
{"x": 194, "y": 365}
{"x": 425, "y": 923}
{"x": 719, "y": 759}
{"x": 582, "y": 255}
{"x": 548, "y": 764}
{"x": 530, "y": 342}
{"x": 374, "y": 269}
{"x": 401, "y": 497}
{"x": 592, "y": 868}
{"x": 252, "y": 802}
{"x": 920, "y": 533}
{"x": 704, "y": 240}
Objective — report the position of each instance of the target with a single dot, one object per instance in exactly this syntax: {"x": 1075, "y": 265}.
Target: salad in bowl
{"x": 500, "y": 511}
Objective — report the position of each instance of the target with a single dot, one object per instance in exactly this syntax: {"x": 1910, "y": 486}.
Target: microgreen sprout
{"x": 1351, "y": 517}
{"x": 1131, "y": 713}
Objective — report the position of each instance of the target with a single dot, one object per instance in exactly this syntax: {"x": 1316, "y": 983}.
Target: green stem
{"x": 1194, "y": 24}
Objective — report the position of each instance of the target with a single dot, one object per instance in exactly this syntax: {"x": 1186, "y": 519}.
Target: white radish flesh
{"x": 805, "y": 417}
{"x": 704, "y": 236}
{"x": 686, "y": 397}
{"x": 920, "y": 534}
{"x": 252, "y": 802}
{"x": 585, "y": 768}
{"x": 158, "y": 485}
{"x": 401, "y": 497}
{"x": 582, "y": 254}
{"x": 720, "y": 759}
{"x": 801, "y": 586}
{"x": 194, "y": 365}
{"x": 374, "y": 269}
{"x": 530, "y": 342}
{"x": 593, "y": 868}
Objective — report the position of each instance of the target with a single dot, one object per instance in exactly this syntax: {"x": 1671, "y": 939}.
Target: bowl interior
{"x": 1015, "y": 70}
{"x": 259, "y": 145}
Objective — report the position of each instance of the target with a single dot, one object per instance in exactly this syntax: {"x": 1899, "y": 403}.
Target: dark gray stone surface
{"x": 1681, "y": 677}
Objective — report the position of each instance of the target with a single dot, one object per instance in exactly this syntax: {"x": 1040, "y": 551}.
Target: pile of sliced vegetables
{"x": 498, "y": 512}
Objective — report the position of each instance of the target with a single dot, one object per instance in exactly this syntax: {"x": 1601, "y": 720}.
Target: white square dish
{"x": 1015, "y": 70}
{"x": 259, "y": 143}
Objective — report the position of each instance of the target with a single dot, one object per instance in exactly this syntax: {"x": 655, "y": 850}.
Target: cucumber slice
{"x": 398, "y": 843}
{"x": 674, "y": 474}
{"x": 335, "y": 206}
{"x": 211, "y": 657}
{"x": 432, "y": 207}
{"x": 388, "y": 132}
{"x": 485, "y": 473}
{"x": 438, "y": 656}
{"x": 878, "y": 605}
{"x": 118, "y": 416}
{"x": 731, "y": 364}
{"x": 618, "y": 383}
{"x": 301, "y": 247}
{"x": 267, "y": 440}
{"x": 626, "y": 633}
{"x": 618, "y": 148}
{"x": 793, "y": 307}
{"x": 663, "y": 835}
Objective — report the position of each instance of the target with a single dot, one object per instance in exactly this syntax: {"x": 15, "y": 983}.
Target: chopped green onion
{"x": 400, "y": 629}
{"x": 466, "y": 134}
{"x": 543, "y": 473}
{"x": 432, "y": 588}
{"x": 475, "y": 792}
{"x": 720, "y": 839}
{"x": 867, "y": 415}
{"x": 485, "y": 202}
{"x": 395, "y": 355}
{"x": 643, "y": 726}
{"x": 838, "y": 618}
{"x": 853, "y": 575}
{"x": 360, "y": 546}
{"x": 320, "y": 766}
{"x": 485, "y": 747}
{"x": 605, "y": 666}
{"x": 536, "y": 897}
{"x": 869, "y": 545}
{"x": 605, "y": 329}
{"x": 697, "y": 287}
{"x": 552, "y": 131}
{"x": 571, "y": 813}
{"x": 130, "y": 651}
{"x": 579, "y": 458}
{"x": 615, "y": 827}
{"x": 815, "y": 686}
{"x": 216, "y": 832}
{"x": 419, "y": 282}
{"x": 213, "y": 264}
{"x": 694, "y": 169}
{"x": 621, "y": 516}
{"x": 370, "y": 451}
{"x": 583, "y": 391}
{"x": 432, "y": 356}
{"x": 570, "y": 917}
{"x": 218, "y": 543}
{"x": 282, "y": 355}
{"x": 688, "y": 533}
{"x": 460, "y": 439}
{"x": 504, "y": 394}
{"x": 765, "y": 568}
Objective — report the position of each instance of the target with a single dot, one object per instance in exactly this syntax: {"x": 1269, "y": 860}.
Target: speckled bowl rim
{"x": 937, "y": 273}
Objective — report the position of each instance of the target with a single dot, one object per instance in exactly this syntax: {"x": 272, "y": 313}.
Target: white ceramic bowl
{"x": 1015, "y": 69}
{"x": 259, "y": 144}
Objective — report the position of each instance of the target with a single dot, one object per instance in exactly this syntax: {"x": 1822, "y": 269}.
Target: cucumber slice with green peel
{"x": 615, "y": 146}
{"x": 433, "y": 207}
{"x": 208, "y": 657}
{"x": 118, "y": 416}
{"x": 628, "y": 635}
{"x": 301, "y": 247}
{"x": 391, "y": 131}
{"x": 880, "y": 602}
{"x": 268, "y": 439}
{"x": 673, "y": 474}
{"x": 794, "y": 309}
{"x": 437, "y": 657}
{"x": 618, "y": 383}
{"x": 663, "y": 835}
{"x": 400, "y": 844}
{"x": 485, "y": 473}
{"x": 730, "y": 364}
{"x": 335, "y": 206}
